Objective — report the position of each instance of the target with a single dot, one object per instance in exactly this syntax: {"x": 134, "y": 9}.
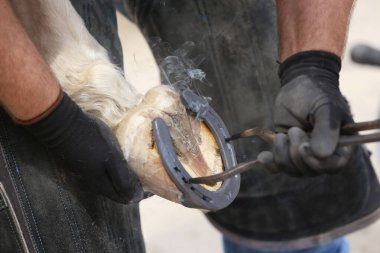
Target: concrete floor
{"x": 169, "y": 227}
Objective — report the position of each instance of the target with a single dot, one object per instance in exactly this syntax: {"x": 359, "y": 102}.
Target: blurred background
{"x": 168, "y": 227}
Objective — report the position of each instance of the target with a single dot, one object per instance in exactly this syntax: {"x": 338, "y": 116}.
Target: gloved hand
{"x": 86, "y": 147}
{"x": 311, "y": 101}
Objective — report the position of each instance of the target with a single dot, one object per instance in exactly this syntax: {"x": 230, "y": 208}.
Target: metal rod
{"x": 212, "y": 180}
{"x": 361, "y": 126}
{"x": 347, "y": 140}
{"x": 265, "y": 134}
{"x": 268, "y": 135}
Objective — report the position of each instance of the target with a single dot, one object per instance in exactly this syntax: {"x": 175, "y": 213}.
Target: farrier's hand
{"x": 86, "y": 147}
{"x": 311, "y": 101}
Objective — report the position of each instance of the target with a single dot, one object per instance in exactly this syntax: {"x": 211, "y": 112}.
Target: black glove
{"x": 310, "y": 100}
{"x": 86, "y": 147}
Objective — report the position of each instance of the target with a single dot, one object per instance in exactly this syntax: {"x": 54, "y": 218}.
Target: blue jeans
{"x": 336, "y": 246}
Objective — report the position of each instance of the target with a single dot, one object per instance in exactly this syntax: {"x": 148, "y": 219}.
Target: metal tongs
{"x": 349, "y": 137}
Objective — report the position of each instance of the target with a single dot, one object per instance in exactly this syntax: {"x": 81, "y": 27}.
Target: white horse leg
{"x": 78, "y": 61}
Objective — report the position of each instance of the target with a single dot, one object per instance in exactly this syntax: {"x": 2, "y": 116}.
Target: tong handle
{"x": 361, "y": 126}
{"x": 268, "y": 136}
{"x": 347, "y": 130}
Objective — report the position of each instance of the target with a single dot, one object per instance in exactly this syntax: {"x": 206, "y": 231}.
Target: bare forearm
{"x": 27, "y": 86}
{"x": 312, "y": 25}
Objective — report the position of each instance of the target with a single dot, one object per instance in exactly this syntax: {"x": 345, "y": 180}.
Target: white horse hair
{"x": 81, "y": 65}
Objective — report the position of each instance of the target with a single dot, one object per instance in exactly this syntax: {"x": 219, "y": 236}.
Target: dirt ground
{"x": 169, "y": 227}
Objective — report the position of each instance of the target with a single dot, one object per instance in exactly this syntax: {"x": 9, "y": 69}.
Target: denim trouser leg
{"x": 235, "y": 44}
{"x": 40, "y": 209}
{"x": 336, "y": 246}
